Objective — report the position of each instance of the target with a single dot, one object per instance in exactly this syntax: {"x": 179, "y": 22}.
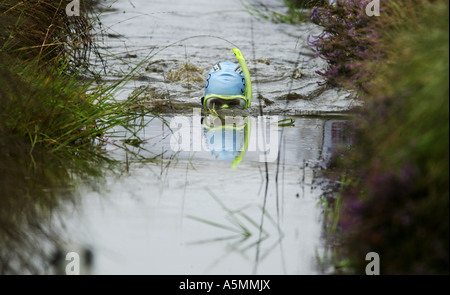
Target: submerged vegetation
{"x": 394, "y": 182}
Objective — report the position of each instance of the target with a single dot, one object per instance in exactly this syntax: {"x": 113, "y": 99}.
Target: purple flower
{"x": 347, "y": 39}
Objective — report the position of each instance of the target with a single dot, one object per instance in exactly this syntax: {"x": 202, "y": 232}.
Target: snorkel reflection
{"x": 227, "y": 138}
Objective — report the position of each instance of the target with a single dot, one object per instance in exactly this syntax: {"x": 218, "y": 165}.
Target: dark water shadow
{"x": 34, "y": 185}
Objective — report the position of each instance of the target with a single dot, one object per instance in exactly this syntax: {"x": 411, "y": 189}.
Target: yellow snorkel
{"x": 248, "y": 81}
{"x": 241, "y": 155}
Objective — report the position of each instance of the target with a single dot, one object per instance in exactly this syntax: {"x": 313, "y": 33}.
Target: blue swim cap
{"x": 225, "y": 79}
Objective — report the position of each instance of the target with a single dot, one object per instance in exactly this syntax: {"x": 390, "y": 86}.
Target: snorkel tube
{"x": 248, "y": 81}
{"x": 241, "y": 155}
{"x": 228, "y": 85}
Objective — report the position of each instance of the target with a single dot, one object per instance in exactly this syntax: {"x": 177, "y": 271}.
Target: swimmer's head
{"x": 225, "y": 87}
{"x": 228, "y": 85}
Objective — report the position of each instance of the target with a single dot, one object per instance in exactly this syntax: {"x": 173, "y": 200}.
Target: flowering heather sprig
{"x": 394, "y": 195}
{"x": 347, "y": 41}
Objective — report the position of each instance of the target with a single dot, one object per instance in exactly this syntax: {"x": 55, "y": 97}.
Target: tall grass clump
{"x": 40, "y": 30}
{"x": 58, "y": 112}
{"x": 396, "y": 196}
{"x": 43, "y": 101}
{"x": 54, "y": 124}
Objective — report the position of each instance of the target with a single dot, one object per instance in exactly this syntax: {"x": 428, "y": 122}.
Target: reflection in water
{"x": 28, "y": 184}
{"x": 244, "y": 232}
{"x": 227, "y": 138}
{"x": 337, "y": 134}
{"x": 221, "y": 217}
{"x": 34, "y": 186}
{"x": 189, "y": 213}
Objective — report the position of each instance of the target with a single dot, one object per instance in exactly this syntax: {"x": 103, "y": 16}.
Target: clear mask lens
{"x": 219, "y": 103}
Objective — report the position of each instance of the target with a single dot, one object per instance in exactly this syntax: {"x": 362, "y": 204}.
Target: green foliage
{"x": 398, "y": 203}
{"x": 41, "y": 29}
{"x": 54, "y": 124}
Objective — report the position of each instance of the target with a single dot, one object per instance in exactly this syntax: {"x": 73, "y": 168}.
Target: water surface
{"x": 198, "y": 210}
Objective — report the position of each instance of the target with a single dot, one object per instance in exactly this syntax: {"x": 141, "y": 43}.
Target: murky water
{"x": 238, "y": 200}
